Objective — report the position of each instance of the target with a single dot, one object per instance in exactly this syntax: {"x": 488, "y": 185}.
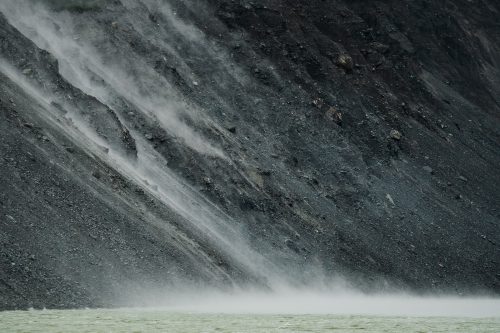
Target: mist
{"x": 126, "y": 85}
{"x": 327, "y": 302}
{"x": 149, "y": 171}
{"x": 99, "y": 73}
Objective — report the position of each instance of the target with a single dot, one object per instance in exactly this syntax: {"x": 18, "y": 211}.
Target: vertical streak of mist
{"x": 150, "y": 172}
{"x": 108, "y": 75}
{"x": 129, "y": 78}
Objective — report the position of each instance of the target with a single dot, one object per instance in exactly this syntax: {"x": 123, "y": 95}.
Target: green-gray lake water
{"x": 151, "y": 321}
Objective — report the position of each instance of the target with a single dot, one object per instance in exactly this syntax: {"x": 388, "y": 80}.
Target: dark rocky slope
{"x": 360, "y": 138}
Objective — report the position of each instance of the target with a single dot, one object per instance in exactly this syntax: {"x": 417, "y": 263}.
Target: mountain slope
{"x": 149, "y": 145}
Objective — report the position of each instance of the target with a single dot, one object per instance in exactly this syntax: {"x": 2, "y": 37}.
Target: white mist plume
{"x": 189, "y": 33}
{"x": 314, "y": 301}
{"x": 81, "y": 63}
{"x": 106, "y": 75}
{"x": 150, "y": 172}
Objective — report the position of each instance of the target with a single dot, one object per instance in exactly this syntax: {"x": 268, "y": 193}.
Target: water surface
{"x": 132, "y": 320}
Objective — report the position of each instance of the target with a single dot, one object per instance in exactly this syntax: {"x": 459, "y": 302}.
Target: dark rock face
{"x": 355, "y": 138}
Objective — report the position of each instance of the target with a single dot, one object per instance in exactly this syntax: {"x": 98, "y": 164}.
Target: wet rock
{"x": 345, "y": 61}
{"x": 395, "y": 134}
{"x": 232, "y": 129}
{"x": 207, "y": 181}
{"x": 334, "y": 115}
{"x": 96, "y": 174}
{"x": 318, "y": 102}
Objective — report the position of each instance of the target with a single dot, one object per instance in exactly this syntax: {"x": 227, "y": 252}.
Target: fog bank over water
{"x": 303, "y": 302}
